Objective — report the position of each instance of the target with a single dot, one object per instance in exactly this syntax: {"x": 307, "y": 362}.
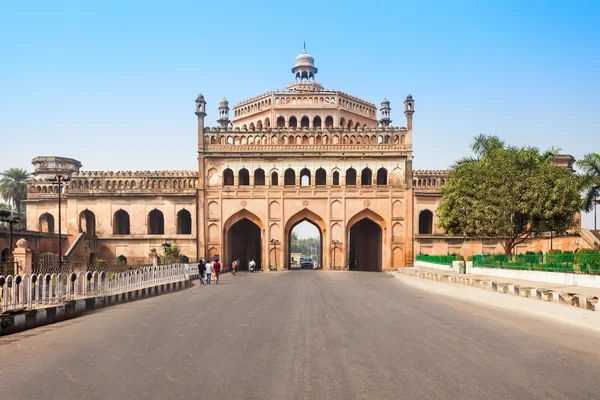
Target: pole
{"x": 334, "y": 256}
{"x": 10, "y": 241}
{"x": 275, "y": 254}
{"x": 595, "y": 204}
{"x": 60, "y": 256}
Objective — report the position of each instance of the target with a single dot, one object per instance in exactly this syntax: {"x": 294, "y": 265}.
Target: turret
{"x": 385, "y": 113}
{"x": 200, "y": 113}
{"x": 223, "y": 113}
{"x": 409, "y": 110}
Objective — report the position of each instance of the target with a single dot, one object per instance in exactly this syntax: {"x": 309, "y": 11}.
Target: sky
{"x": 113, "y": 83}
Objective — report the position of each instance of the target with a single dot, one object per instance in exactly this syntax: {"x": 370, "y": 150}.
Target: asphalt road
{"x": 302, "y": 335}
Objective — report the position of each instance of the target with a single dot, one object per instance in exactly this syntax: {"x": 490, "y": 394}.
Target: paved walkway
{"x": 302, "y": 335}
{"x": 583, "y": 290}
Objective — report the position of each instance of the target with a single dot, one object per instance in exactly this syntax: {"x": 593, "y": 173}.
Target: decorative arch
{"x": 121, "y": 224}
{"x": 305, "y": 215}
{"x": 227, "y": 177}
{"x": 213, "y": 177}
{"x": 212, "y": 233}
{"x": 213, "y": 210}
{"x": 87, "y": 222}
{"x": 156, "y": 222}
{"x": 184, "y": 222}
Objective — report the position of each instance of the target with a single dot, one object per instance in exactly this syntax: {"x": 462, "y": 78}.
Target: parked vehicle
{"x": 307, "y": 263}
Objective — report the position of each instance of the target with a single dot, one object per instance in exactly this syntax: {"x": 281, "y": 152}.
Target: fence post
{"x": 23, "y": 258}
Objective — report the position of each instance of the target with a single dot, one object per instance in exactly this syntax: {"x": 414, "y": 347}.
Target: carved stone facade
{"x": 301, "y": 154}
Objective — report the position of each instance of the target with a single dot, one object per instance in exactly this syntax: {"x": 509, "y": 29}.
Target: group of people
{"x": 208, "y": 269}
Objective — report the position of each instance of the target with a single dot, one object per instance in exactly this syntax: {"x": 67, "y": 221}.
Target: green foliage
{"x": 309, "y": 247}
{"x": 508, "y": 192}
{"x": 13, "y": 186}
{"x": 171, "y": 254}
{"x": 589, "y": 180}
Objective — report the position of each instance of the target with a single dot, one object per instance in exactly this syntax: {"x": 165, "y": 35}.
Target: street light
{"x": 334, "y": 242}
{"x": 11, "y": 218}
{"x": 275, "y": 242}
{"x": 59, "y": 180}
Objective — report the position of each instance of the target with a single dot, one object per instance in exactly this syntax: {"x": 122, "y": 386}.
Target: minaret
{"x": 223, "y": 113}
{"x": 200, "y": 113}
{"x": 200, "y": 194}
{"x": 385, "y": 113}
{"x": 409, "y": 110}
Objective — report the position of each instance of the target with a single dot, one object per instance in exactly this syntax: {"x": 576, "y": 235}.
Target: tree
{"x": 508, "y": 192}
{"x": 590, "y": 179}
{"x": 13, "y": 186}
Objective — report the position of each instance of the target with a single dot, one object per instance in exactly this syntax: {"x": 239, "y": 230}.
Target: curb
{"x": 548, "y": 295}
{"x": 20, "y": 320}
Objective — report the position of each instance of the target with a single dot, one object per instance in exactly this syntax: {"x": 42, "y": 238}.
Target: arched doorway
{"x": 243, "y": 240}
{"x": 304, "y": 241}
{"x": 425, "y": 222}
{"x": 365, "y": 237}
{"x": 245, "y": 243}
{"x": 310, "y": 217}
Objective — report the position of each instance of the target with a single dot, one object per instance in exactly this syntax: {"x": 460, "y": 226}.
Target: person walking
{"x": 208, "y": 268}
{"x": 233, "y": 268}
{"x": 201, "y": 266}
{"x": 251, "y": 265}
{"x": 217, "y": 270}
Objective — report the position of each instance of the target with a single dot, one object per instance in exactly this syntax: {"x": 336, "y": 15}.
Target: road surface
{"x": 302, "y": 335}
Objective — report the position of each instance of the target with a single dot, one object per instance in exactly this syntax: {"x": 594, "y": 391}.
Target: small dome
{"x": 200, "y": 98}
{"x": 409, "y": 97}
{"x": 385, "y": 102}
{"x": 305, "y": 60}
{"x": 224, "y": 101}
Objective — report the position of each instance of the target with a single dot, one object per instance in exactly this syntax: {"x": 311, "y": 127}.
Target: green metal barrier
{"x": 578, "y": 263}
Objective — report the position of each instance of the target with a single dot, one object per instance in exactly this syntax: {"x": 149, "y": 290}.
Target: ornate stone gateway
{"x": 306, "y": 154}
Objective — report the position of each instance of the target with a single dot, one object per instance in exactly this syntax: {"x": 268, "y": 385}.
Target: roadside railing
{"x": 577, "y": 263}
{"x": 443, "y": 260}
{"x": 43, "y": 290}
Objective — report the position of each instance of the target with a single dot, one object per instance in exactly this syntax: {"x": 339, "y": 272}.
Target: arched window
{"x": 121, "y": 223}
{"x": 304, "y": 122}
{"x": 227, "y": 177}
{"x": 320, "y": 177}
{"x": 350, "y": 124}
{"x": 382, "y": 176}
{"x": 317, "y": 122}
{"x": 280, "y": 122}
{"x": 259, "y": 125}
{"x": 156, "y": 222}
{"x": 268, "y": 122}
{"x": 305, "y": 177}
{"x": 329, "y": 121}
{"x": 289, "y": 178}
{"x": 342, "y": 122}
{"x": 87, "y": 222}
{"x": 351, "y": 177}
{"x": 184, "y": 222}
{"x": 243, "y": 177}
{"x": 293, "y": 122}
{"x": 47, "y": 223}
{"x": 336, "y": 178}
{"x": 366, "y": 177}
{"x": 274, "y": 179}
{"x": 259, "y": 177}
{"x": 425, "y": 222}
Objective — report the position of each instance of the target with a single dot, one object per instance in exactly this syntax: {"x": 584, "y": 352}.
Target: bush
{"x": 470, "y": 258}
{"x": 554, "y": 251}
{"x": 460, "y": 258}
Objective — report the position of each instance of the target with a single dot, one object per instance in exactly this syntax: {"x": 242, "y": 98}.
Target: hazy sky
{"x": 113, "y": 85}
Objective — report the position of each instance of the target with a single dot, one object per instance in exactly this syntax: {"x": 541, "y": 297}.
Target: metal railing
{"x": 43, "y": 290}
{"x": 578, "y": 263}
{"x": 444, "y": 260}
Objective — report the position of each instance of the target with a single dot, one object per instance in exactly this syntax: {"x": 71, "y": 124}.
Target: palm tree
{"x": 590, "y": 179}
{"x": 482, "y": 145}
{"x": 13, "y": 186}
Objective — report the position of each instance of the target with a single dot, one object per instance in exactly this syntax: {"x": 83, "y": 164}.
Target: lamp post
{"x": 11, "y": 218}
{"x": 59, "y": 180}
{"x": 165, "y": 245}
{"x": 275, "y": 242}
{"x": 334, "y": 242}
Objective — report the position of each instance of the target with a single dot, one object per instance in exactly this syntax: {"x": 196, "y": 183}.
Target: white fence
{"x": 33, "y": 291}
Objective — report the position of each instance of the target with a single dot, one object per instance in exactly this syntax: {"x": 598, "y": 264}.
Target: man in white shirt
{"x": 209, "y": 270}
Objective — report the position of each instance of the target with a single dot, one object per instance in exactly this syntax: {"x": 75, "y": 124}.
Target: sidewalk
{"x": 578, "y": 296}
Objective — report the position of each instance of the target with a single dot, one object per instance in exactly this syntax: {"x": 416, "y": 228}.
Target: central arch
{"x": 243, "y": 239}
{"x": 312, "y": 218}
{"x": 365, "y": 232}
